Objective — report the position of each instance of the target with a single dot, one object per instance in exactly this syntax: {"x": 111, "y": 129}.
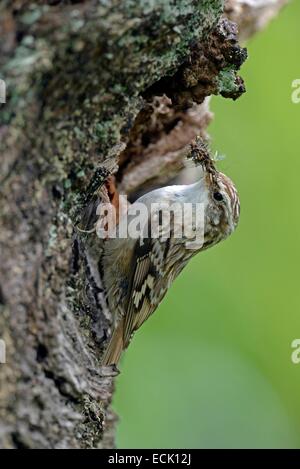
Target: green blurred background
{"x": 212, "y": 367}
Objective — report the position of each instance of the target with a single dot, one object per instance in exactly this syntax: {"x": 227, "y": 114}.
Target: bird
{"x": 138, "y": 271}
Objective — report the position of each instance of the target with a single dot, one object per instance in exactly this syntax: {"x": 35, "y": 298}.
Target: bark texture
{"x": 93, "y": 88}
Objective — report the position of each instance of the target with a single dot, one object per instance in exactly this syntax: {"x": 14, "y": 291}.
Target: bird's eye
{"x": 218, "y": 196}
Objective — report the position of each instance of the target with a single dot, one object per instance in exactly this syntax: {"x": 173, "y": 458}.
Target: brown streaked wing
{"x": 148, "y": 277}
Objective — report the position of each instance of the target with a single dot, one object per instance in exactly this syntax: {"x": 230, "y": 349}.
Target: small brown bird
{"x": 138, "y": 272}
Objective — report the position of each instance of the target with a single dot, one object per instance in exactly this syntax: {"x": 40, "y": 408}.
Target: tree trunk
{"x": 89, "y": 85}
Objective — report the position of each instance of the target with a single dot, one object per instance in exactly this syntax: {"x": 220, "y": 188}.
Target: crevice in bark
{"x": 17, "y": 441}
{"x": 2, "y": 299}
{"x": 174, "y": 111}
{"x": 60, "y": 383}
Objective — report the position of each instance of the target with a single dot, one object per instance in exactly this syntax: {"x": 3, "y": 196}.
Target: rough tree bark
{"x": 90, "y": 84}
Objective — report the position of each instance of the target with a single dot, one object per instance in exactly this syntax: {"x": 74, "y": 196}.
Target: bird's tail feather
{"x": 115, "y": 347}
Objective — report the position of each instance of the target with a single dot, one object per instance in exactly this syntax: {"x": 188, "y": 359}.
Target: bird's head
{"x": 222, "y": 205}
{"x": 222, "y": 209}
